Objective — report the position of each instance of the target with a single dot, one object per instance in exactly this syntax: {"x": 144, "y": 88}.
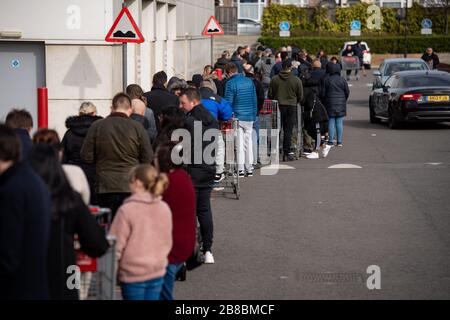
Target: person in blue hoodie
{"x": 240, "y": 92}
{"x": 222, "y": 111}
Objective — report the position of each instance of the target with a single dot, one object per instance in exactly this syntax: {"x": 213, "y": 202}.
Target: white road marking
{"x": 345, "y": 166}
{"x": 434, "y": 163}
{"x": 374, "y": 135}
{"x": 278, "y": 167}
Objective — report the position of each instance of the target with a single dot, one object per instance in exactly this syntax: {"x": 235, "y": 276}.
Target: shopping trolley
{"x": 230, "y": 133}
{"x": 349, "y": 64}
{"x": 270, "y": 121}
{"x": 98, "y": 275}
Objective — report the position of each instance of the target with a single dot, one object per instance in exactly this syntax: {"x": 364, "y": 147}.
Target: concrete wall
{"x": 80, "y": 65}
{"x": 77, "y": 73}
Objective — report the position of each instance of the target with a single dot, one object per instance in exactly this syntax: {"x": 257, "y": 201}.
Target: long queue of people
{"x": 46, "y": 186}
{"x": 125, "y": 162}
{"x": 294, "y": 79}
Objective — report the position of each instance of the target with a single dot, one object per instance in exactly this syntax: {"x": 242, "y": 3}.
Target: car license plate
{"x": 438, "y": 98}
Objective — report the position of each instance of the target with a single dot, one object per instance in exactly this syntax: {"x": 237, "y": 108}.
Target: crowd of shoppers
{"x": 161, "y": 208}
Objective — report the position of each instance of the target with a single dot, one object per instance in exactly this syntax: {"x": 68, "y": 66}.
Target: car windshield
{"x": 391, "y": 68}
{"x": 426, "y": 81}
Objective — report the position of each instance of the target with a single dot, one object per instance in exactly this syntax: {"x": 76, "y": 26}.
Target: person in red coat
{"x": 180, "y": 196}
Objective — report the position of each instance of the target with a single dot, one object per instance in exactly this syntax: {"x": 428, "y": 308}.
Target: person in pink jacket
{"x": 143, "y": 228}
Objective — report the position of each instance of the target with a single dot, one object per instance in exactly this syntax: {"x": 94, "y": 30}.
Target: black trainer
{"x": 219, "y": 177}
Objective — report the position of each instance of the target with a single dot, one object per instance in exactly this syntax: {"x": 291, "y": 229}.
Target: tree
{"x": 442, "y": 4}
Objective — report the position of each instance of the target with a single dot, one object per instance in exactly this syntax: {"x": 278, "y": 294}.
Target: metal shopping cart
{"x": 230, "y": 133}
{"x": 269, "y": 126}
{"x": 98, "y": 275}
{"x": 349, "y": 64}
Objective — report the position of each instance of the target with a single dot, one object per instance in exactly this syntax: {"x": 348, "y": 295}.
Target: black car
{"x": 412, "y": 96}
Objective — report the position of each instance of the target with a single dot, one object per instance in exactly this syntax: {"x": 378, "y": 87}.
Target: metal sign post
{"x": 124, "y": 61}
{"x": 124, "y": 66}
{"x": 124, "y": 30}
{"x": 212, "y": 50}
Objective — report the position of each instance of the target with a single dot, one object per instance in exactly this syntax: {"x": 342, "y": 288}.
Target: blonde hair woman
{"x": 143, "y": 228}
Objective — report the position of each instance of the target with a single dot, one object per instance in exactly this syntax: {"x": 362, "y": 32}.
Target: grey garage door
{"x": 22, "y": 71}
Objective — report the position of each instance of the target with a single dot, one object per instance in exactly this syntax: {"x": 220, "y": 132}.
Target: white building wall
{"x": 80, "y": 65}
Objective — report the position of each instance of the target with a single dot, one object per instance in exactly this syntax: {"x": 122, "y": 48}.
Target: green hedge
{"x": 306, "y": 21}
{"x": 333, "y": 45}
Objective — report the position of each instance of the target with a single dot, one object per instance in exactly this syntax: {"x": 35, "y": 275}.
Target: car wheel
{"x": 392, "y": 122}
{"x": 373, "y": 118}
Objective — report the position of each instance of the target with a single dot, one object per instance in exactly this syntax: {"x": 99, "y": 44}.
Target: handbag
{"x": 197, "y": 258}
{"x": 318, "y": 111}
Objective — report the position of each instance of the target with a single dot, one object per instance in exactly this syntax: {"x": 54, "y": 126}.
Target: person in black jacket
{"x": 431, "y": 58}
{"x": 25, "y": 207}
{"x": 22, "y": 123}
{"x": 70, "y": 216}
{"x": 336, "y": 95}
{"x": 201, "y": 172}
{"x": 315, "y": 115}
{"x": 237, "y": 59}
{"x": 159, "y": 97}
{"x": 171, "y": 119}
{"x": 350, "y": 51}
{"x": 222, "y": 61}
{"x": 322, "y": 56}
{"x": 78, "y": 127}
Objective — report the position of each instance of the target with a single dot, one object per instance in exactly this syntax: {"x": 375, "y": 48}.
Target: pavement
{"x": 311, "y": 232}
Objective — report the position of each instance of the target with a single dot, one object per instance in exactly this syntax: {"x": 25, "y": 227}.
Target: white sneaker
{"x": 326, "y": 150}
{"x": 209, "y": 258}
{"x": 314, "y": 155}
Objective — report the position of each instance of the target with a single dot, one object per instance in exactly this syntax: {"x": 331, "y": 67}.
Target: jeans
{"x": 288, "y": 118}
{"x": 220, "y": 154}
{"x": 146, "y": 290}
{"x": 111, "y": 200}
{"x": 349, "y": 72}
{"x": 245, "y": 146}
{"x": 335, "y": 125}
{"x": 169, "y": 280}
{"x": 204, "y": 215}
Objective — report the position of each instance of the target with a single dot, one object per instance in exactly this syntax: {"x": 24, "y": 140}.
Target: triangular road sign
{"x": 212, "y": 28}
{"x": 124, "y": 29}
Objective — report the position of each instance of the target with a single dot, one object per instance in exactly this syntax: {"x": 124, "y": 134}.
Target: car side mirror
{"x": 376, "y": 73}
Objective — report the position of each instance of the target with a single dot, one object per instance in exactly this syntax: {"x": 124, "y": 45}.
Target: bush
{"x": 306, "y": 21}
{"x": 377, "y": 44}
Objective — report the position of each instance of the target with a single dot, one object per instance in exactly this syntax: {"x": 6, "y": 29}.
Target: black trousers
{"x": 111, "y": 200}
{"x": 204, "y": 215}
{"x": 288, "y": 120}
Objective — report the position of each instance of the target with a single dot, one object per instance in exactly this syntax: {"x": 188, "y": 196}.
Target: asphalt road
{"x": 312, "y": 232}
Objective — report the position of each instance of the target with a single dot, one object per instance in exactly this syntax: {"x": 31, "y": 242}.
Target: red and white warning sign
{"x": 213, "y": 28}
{"x": 124, "y": 29}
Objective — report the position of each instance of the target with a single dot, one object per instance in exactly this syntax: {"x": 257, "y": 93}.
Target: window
{"x": 391, "y": 68}
{"x": 426, "y": 81}
{"x": 391, "y": 82}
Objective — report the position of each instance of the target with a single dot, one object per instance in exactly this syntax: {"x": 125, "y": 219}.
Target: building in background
{"x": 59, "y": 44}
{"x": 253, "y": 9}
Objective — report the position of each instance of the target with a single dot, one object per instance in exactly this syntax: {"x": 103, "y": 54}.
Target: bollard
{"x": 42, "y": 107}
